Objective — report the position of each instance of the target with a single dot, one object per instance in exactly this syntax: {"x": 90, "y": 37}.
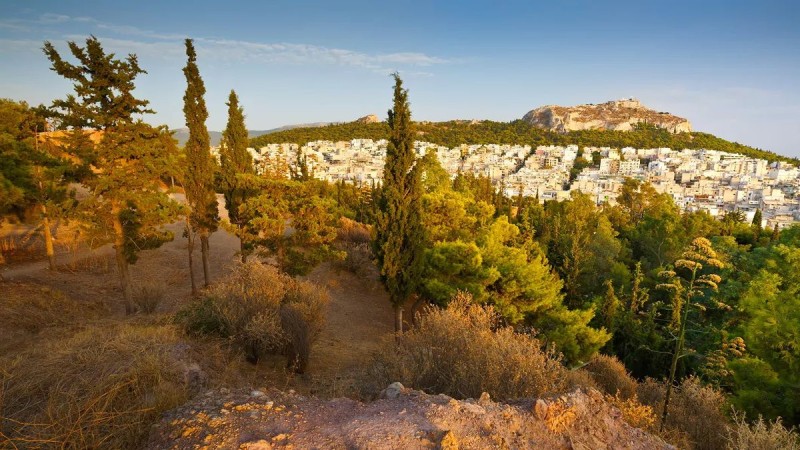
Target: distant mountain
{"x": 618, "y": 115}
{"x": 182, "y": 134}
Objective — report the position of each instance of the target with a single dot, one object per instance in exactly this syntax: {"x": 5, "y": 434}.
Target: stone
{"x": 393, "y": 390}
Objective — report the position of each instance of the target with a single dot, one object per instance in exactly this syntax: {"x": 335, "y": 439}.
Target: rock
{"x": 393, "y": 390}
{"x": 257, "y": 394}
{"x": 449, "y": 441}
{"x": 540, "y": 409}
{"x": 619, "y": 115}
{"x": 371, "y": 118}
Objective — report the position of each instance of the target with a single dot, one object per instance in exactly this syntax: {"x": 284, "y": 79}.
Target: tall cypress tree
{"x": 235, "y": 160}
{"x": 126, "y": 205}
{"x": 199, "y": 178}
{"x": 399, "y": 231}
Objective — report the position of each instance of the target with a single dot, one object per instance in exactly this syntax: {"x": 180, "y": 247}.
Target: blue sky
{"x": 731, "y": 67}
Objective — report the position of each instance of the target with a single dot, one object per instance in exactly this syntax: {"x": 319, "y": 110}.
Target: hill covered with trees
{"x": 457, "y": 132}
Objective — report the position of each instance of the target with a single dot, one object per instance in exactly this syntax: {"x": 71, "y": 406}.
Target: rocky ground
{"x": 402, "y": 418}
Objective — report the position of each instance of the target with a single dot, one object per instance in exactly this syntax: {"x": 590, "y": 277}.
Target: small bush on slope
{"x": 262, "y": 311}
{"x": 761, "y": 435}
{"x": 462, "y": 351}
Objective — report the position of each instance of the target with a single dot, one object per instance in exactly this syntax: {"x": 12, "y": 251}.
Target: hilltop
{"x": 618, "y": 115}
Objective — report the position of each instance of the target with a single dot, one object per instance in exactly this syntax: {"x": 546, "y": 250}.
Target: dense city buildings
{"x": 709, "y": 180}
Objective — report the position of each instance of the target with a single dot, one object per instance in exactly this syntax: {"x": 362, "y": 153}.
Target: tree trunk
{"x": 190, "y": 247}
{"x": 418, "y": 303}
{"x": 204, "y": 251}
{"x": 48, "y": 240}
{"x": 241, "y": 246}
{"x": 398, "y": 318}
{"x": 122, "y": 263}
{"x": 678, "y": 350}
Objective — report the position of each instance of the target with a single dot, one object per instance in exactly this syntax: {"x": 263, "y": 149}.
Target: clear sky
{"x": 731, "y": 67}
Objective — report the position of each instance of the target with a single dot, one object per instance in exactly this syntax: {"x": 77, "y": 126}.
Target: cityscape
{"x": 697, "y": 180}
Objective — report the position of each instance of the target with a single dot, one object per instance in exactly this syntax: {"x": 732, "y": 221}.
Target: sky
{"x": 731, "y": 67}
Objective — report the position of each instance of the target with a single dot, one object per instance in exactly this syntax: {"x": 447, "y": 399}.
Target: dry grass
{"x": 461, "y": 351}
{"x": 93, "y": 263}
{"x": 610, "y": 375}
{"x": 262, "y": 311}
{"x": 761, "y": 435}
{"x": 633, "y": 412}
{"x": 148, "y": 296}
{"x": 102, "y": 388}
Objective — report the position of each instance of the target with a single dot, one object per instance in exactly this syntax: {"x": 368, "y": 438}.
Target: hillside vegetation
{"x": 454, "y": 133}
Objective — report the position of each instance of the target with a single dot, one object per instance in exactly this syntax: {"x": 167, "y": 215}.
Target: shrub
{"x": 101, "y": 388}
{"x": 148, "y": 296}
{"x": 611, "y": 377}
{"x": 695, "y": 409}
{"x": 761, "y": 435}
{"x": 462, "y": 351}
{"x": 358, "y": 260}
{"x": 353, "y": 232}
{"x": 262, "y": 311}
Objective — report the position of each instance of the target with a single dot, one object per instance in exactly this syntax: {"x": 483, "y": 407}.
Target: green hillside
{"x": 454, "y": 133}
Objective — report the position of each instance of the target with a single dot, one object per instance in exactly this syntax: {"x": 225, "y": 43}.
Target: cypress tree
{"x": 199, "y": 179}
{"x": 235, "y": 160}
{"x": 126, "y": 205}
{"x": 399, "y": 231}
{"x": 757, "y": 218}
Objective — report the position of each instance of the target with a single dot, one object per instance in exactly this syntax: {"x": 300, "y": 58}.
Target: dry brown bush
{"x": 149, "y": 295}
{"x": 262, "y": 311}
{"x": 462, "y": 351}
{"x": 611, "y": 377}
{"x": 358, "y": 260}
{"x": 94, "y": 262}
{"x": 353, "y": 232}
{"x": 101, "y": 388}
{"x": 761, "y": 435}
{"x": 694, "y": 410}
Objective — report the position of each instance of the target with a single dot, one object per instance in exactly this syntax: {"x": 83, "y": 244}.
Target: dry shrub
{"x": 580, "y": 379}
{"x": 611, "y": 377}
{"x": 358, "y": 260}
{"x": 101, "y": 388}
{"x": 694, "y": 410}
{"x": 262, "y": 311}
{"x": 462, "y": 351}
{"x": 633, "y": 412}
{"x": 353, "y": 232}
{"x": 149, "y": 295}
{"x": 761, "y": 435}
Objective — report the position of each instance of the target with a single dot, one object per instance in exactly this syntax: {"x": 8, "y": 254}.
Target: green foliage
{"x": 398, "y": 229}
{"x": 200, "y": 165}
{"x": 129, "y": 158}
{"x": 234, "y": 159}
{"x": 293, "y": 221}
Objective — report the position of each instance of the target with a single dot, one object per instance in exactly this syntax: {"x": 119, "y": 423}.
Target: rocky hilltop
{"x": 402, "y": 418}
{"x": 618, "y": 115}
{"x": 370, "y": 118}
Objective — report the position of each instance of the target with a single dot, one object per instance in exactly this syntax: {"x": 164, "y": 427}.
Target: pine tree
{"x": 126, "y": 205}
{"x": 399, "y": 232}
{"x": 199, "y": 177}
{"x": 235, "y": 160}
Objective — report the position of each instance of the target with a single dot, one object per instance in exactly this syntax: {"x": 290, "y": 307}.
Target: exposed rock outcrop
{"x": 619, "y": 115}
{"x": 403, "y": 418}
{"x": 372, "y": 118}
